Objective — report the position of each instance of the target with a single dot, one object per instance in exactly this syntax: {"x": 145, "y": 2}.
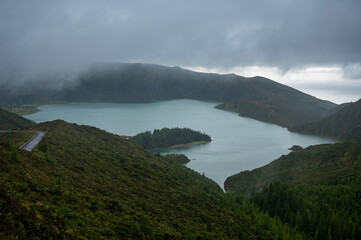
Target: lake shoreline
{"x": 24, "y": 109}
{"x": 182, "y": 145}
{"x": 237, "y": 140}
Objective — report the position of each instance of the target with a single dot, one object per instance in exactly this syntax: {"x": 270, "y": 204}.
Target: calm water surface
{"x": 238, "y": 143}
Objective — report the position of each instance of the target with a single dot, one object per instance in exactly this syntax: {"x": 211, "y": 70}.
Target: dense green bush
{"x": 167, "y": 137}
{"x": 320, "y": 211}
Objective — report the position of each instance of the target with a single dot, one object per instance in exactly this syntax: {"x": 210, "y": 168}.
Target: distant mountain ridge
{"x": 344, "y": 124}
{"x": 141, "y": 83}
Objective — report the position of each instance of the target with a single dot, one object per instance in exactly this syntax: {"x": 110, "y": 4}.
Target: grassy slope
{"x": 345, "y": 124}
{"x": 313, "y": 165}
{"x": 10, "y": 120}
{"x": 17, "y": 139}
{"x": 82, "y": 182}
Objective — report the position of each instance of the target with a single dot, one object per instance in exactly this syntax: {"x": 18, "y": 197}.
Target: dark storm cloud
{"x": 37, "y": 37}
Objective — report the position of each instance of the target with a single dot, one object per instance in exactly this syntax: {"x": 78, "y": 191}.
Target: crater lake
{"x": 237, "y": 144}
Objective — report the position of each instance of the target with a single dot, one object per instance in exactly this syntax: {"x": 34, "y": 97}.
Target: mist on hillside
{"x": 56, "y": 41}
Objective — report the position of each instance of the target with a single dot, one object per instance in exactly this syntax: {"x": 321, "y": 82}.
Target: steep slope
{"x": 313, "y": 165}
{"x": 85, "y": 183}
{"x": 262, "y": 111}
{"x": 272, "y": 110}
{"x": 344, "y": 124}
{"x": 121, "y": 82}
{"x": 10, "y": 120}
{"x": 337, "y": 108}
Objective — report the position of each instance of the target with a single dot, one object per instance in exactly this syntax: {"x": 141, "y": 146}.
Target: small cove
{"x": 237, "y": 144}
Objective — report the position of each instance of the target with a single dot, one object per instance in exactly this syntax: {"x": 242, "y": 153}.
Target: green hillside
{"x": 313, "y": 165}
{"x": 141, "y": 83}
{"x": 345, "y": 124}
{"x": 10, "y": 120}
{"x": 316, "y": 190}
{"x": 85, "y": 183}
{"x": 274, "y": 110}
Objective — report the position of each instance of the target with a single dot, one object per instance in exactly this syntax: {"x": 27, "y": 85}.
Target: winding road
{"x": 33, "y": 142}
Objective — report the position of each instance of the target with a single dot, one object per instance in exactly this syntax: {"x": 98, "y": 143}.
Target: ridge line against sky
{"x": 312, "y": 45}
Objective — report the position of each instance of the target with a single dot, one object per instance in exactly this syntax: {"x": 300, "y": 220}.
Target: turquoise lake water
{"x": 238, "y": 143}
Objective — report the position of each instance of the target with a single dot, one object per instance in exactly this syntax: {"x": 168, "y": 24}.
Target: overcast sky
{"x": 304, "y": 43}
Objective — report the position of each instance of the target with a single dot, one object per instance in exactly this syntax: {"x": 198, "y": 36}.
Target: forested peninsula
{"x": 169, "y": 137}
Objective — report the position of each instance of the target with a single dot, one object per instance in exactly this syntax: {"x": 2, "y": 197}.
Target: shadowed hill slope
{"x": 10, "y": 120}
{"x": 345, "y": 124}
{"x": 284, "y": 113}
{"x": 122, "y": 82}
